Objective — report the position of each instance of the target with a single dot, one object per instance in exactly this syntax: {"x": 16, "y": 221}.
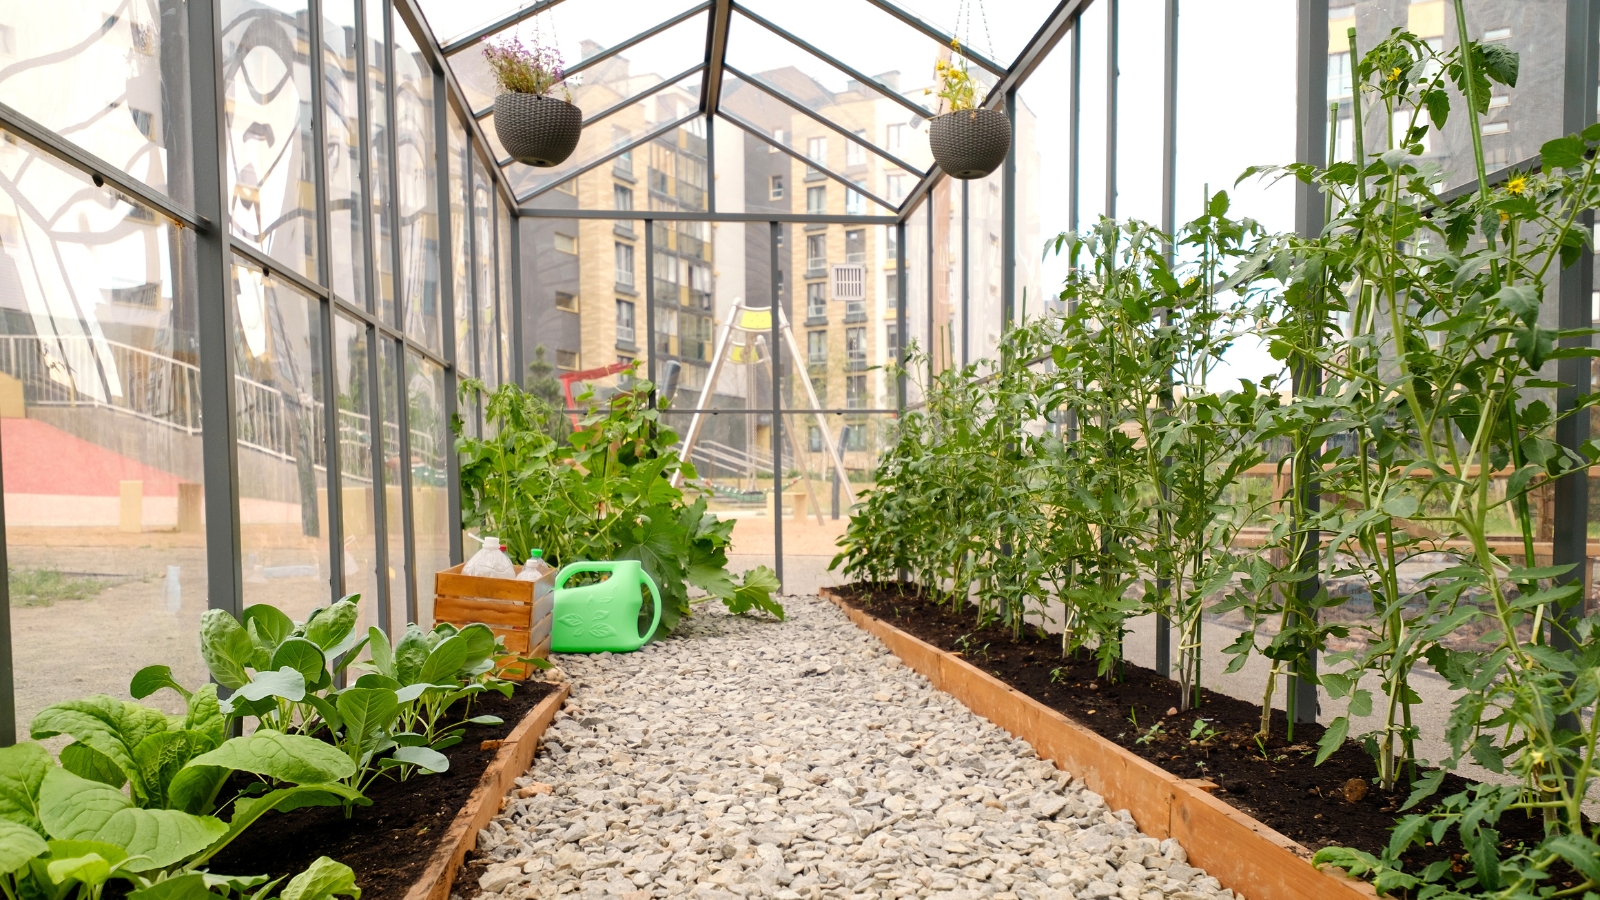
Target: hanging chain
{"x": 965, "y": 7}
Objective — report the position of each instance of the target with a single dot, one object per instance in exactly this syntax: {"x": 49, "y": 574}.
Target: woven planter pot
{"x": 537, "y": 131}
{"x": 970, "y": 143}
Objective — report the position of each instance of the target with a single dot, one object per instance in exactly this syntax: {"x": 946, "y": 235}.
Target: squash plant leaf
{"x": 18, "y": 845}
{"x": 22, "y": 770}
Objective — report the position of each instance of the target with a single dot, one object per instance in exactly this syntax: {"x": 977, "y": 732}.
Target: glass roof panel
{"x": 999, "y": 32}
{"x": 858, "y": 34}
{"x": 893, "y": 131}
{"x": 812, "y": 82}
{"x": 616, "y": 130}
{"x": 452, "y": 19}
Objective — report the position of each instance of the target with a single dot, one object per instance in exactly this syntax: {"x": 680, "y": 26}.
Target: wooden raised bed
{"x": 515, "y": 755}
{"x": 518, "y": 611}
{"x": 1232, "y": 847}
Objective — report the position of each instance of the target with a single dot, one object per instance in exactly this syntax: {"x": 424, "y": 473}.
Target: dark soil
{"x": 1276, "y": 783}
{"x": 390, "y": 842}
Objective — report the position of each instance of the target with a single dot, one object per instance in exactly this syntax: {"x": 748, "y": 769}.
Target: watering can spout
{"x": 603, "y": 617}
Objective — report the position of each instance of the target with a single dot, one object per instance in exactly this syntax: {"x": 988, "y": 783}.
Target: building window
{"x": 855, "y": 245}
{"x": 1491, "y": 128}
{"x": 855, "y": 154}
{"x": 814, "y": 439}
{"x": 623, "y": 197}
{"x": 817, "y": 151}
{"x": 625, "y": 321}
{"x": 625, "y": 265}
{"x": 623, "y": 164}
{"x": 891, "y": 287}
{"x": 855, "y": 397}
{"x": 776, "y": 191}
{"x": 567, "y": 359}
{"x": 895, "y": 139}
{"x": 566, "y": 243}
{"x": 816, "y": 255}
{"x": 777, "y": 139}
{"x": 1499, "y": 101}
{"x": 891, "y": 243}
{"x": 891, "y": 342}
{"x": 897, "y": 187}
{"x": 854, "y": 203}
{"x": 567, "y": 302}
{"x": 817, "y": 300}
{"x": 855, "y": 436}
{"x": 817, "y": 200}
{"x": 817, "y": 348}
{"x": 1497, "y": 34}
{"x": 855, "y": 348}
{"x": 1338, "y": 75}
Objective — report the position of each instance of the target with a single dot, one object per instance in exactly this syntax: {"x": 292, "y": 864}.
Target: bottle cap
{"x": 535, "y": 553}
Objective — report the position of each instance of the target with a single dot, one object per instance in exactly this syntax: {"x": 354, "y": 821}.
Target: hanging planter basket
{"x": 539, "y": 131}
{"x": 970, "y": 143}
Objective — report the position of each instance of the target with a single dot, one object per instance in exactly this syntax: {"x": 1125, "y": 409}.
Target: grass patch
{"x": 43, "y": 587}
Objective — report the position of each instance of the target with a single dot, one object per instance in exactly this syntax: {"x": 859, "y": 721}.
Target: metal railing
{"x": 82, "y": 371}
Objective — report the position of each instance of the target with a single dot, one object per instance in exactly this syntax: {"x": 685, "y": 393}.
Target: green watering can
{"x": 598, "y": 618}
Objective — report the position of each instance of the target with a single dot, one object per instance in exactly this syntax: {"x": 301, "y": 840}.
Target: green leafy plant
{"x": 519, "y": 70}
{"x": 607, "y": 493}
{"x": 956, "y": 91}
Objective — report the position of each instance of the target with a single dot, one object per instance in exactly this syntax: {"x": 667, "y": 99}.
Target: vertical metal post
{"x": 447, "y": 309}
{"x": 214, "y": 288}
{"x": 1008, "y": 227}
{"x": 902, "y": 338}
{"x": 650, "y": 305}
{"x": 519, "y": 361}
{"x": 1576, "y": 287}
{"x": 330, "y": 391}
{"x": 1311, "y": 136}
{"x": 933, "y": 329}
{"x": 1074, "y": 123}
{"x": 1113, "y": 13}
{"x": 711, "y": 163}
{"x": 369, "y": 259}
{"x": 8, "y": 694}
{"x": 966, "y": 272}
{"x": 775, "y": 351}
{"x": 1169, "y": 224}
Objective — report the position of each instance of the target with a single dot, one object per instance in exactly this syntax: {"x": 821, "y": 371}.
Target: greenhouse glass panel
{"x": 460, "y": 245}
{"x": 918, "y": 338}
{"x": 267, "y": 82}
{"x": 1141, "y": 82}
{"x": 1093, "y": 120}
{"x": 483, "y": 286}
{"x": 986, "y": 306}
{"x": 1044, "y": 170}
{"x": 391, "y": 461}
{"x": 430, "y": 453}
{"x": 341, "y": 96}
{"x": 379, "y": 138}
{"x": 352, "y": 391}
{"x": 114, "y": 83}
{"x": 816, "y": 497}
{"x": 416, "y": 174}
{"x": 101, "y": 436}
{"x": 282, "y": 444}
{"x": 1000, "y": 31}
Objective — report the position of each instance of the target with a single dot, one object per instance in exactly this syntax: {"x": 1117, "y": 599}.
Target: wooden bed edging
{"x": 515, "y": 755}
{"x": 1232, "y": 847}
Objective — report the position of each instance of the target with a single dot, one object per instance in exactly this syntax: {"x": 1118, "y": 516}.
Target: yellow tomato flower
{"x": 1517, "y": 184}
{"x": 1394, "y": 74}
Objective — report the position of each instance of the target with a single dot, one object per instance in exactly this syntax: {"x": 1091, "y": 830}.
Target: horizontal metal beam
{"x": 648, "y": 33}
{"x": 944, "y": 39}
{"x": 501, "y": 24}
{"x": 675, "y": 215}
{"x": 828, "y": 58}
{"x": 762, "y": 136}
{"x": 647, "y": 138}
{"x": 102, "y": 173}
{"x": 777, "y": 95}
{"x": 274, "y": 269}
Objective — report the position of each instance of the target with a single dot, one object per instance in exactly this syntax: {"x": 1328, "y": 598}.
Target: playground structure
{"x": 745, "y": 340}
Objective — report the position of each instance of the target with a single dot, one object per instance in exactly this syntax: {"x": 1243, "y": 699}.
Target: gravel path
{"x": 801, "y": 759}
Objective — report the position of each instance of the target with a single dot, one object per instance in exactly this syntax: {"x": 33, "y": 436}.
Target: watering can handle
{"x": 655, "y": 595}
{"x": 568, "y": 571}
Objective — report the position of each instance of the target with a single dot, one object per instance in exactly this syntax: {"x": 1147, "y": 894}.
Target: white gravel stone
{"x": 800, "y": 760}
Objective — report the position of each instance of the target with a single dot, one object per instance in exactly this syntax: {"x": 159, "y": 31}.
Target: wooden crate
{"x": 517, "y": 611}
